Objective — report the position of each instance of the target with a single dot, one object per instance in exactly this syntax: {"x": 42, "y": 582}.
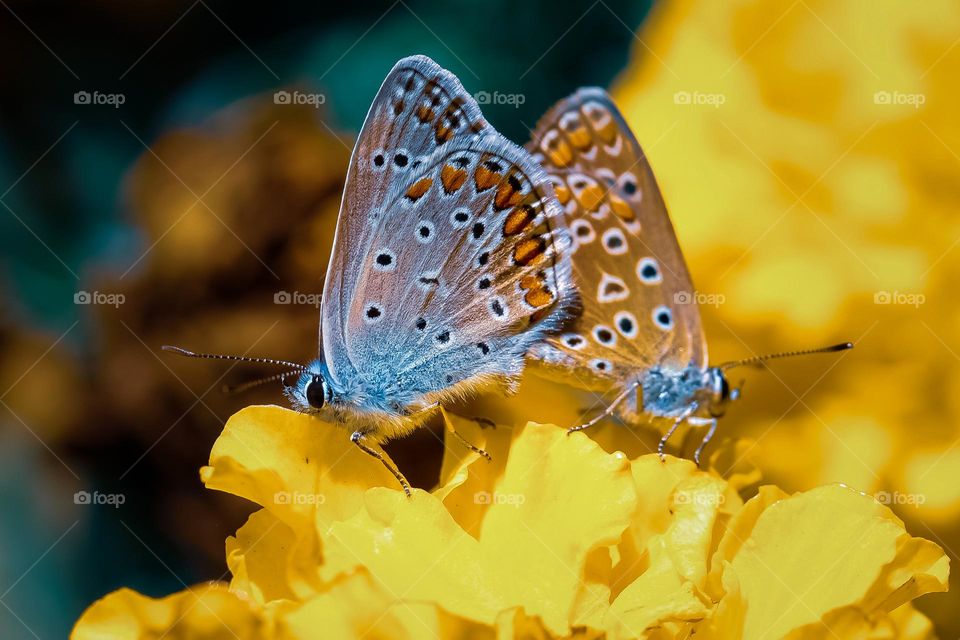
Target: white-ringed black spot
{"x": 385, "y": 260}
{"x": 373, "y": 313}
{"x": 459, "y": 218}
{"x": 400, "y": 160}
{"x": 483, "y": 258}
{"x": 449, "y": 379}
{"x": 663, "y": 317}
{"x": 478, "y": 230}
{"x": 498, "y": 308}
{"x": 626, "y": 324}
{"x": 483, "y": 283}
{"x": 425, "y": 231}
{"x": 574, "y": 341}
{"x": 421, "y": 324}
{"x": 604, "y": 335}
{"x": 583, "y": 231}
{"x": 443, "y": 337}
{"x": 601, "y": 365}
{"x": 649, "y": 271}
{"x": 378, "y": 160}
{"x": 484, "y": 349}
{"x": 614, "y": 241}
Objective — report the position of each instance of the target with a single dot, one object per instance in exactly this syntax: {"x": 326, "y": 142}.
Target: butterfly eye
{"x": 316, "y": 392}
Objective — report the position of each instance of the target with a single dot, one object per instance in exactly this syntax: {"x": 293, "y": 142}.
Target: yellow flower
{"x": 554, "y": 538}
{"x": 808, "y": 152}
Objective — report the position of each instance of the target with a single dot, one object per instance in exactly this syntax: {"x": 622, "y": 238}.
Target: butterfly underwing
{"x": 639, "y": 334}
{"x": 449, "y": 262}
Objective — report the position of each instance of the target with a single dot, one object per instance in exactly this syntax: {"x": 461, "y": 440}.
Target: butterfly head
{"x": 311, "y": 393}
{"x": 718, "y": 391}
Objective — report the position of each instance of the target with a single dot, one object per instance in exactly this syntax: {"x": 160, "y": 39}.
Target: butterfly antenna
{"x": 843, "y": 346}
{"x": 233, "y": 389}
{"x": 216, "y": 356}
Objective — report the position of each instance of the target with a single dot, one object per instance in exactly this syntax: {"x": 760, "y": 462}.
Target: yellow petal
{"x": 358, "y": 607}
{"x": 207, "y": 611}
{"x": 560, "y": 498}
{"x": 259, "y": 558}
{"x": 417, "y": 552}
{"x": 659, "y": 596}
{"x": 820, "y": 551}
{"x": 292, "y": 464}
{"x": 466, "y": 477}
{"x": 305, "y": 472}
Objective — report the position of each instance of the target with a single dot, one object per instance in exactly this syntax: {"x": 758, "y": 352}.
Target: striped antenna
{"x": 843, "y": 346}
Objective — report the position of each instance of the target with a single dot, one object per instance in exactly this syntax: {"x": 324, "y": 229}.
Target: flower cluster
{"x": 555, "y": 537}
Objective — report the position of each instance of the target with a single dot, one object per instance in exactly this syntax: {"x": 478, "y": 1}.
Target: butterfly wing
{"x": 638, "y": 302}
{"x": 446, "y": 267}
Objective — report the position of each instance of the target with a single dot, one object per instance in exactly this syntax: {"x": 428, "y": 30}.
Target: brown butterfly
{"x": 640, "y": 332}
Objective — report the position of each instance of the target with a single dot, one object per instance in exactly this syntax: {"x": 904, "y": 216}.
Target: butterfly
{"x": 639, "y": 332}
{"x": 448, "y": 264}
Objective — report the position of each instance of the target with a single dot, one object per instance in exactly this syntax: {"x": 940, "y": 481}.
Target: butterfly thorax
{"x": 693, "y": 391}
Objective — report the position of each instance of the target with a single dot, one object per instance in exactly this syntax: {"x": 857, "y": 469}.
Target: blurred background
{"x": 170, "y": 173}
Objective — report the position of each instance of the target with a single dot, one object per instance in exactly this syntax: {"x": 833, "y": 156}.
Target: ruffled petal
{"x": 208, "y": 611}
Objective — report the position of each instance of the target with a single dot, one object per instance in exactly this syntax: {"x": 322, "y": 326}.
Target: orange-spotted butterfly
{"x": 447, "y": 266}
{"x": 639, "y": 333}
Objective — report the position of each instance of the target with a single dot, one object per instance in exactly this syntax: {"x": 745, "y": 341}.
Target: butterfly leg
{"x": 477, "y": 450}
{"x": 706, "y": 439}
{"x": 357, "y": 438}
{"x": 606, "y": 412}
{"x": 663, "y": 441}
{"x": 435, "y": 406}
{"x": 472, "y": 447}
